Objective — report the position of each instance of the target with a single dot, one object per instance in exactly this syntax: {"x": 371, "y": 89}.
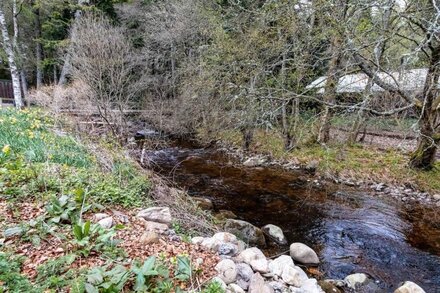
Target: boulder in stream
{"x": 275, "y": 233}
{"x": 303, "y": 254}
{"x": 246, "y": 231}
{"x": 409, "y": 287}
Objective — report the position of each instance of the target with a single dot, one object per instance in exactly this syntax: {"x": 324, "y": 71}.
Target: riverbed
{"x": 353, "y": 231}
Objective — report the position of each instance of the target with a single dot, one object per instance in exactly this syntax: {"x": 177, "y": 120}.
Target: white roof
{"x": 408, "y": 80}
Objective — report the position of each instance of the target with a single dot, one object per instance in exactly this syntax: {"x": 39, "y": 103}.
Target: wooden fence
{"x": 6, "y": 93}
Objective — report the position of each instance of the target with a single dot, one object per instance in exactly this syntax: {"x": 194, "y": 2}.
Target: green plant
{"x": 10, "y": 278}
{"x": 111, "y": 281}
{"x": 213, "y": 287}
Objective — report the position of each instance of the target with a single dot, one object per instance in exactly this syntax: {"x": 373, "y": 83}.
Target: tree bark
{"x": 424, "y": 155}
{"x": 330, "y": 90}
{"x": 39, "y": 48}
{"x": 8, "y": 47}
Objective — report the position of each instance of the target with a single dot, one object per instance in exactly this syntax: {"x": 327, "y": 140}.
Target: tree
{"x": 8, "y": 47}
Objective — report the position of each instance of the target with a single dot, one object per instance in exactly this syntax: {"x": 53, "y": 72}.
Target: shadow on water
{"x": 352, "y": 231}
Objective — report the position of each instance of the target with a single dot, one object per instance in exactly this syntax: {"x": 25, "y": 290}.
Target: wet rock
{"x": 244, "y": 274}
{"x": 156, "y": 214}
{"x": 227, "y": 271}
{"x": 409, "y": 287}
{"x": 329, "y": 287}
{"x": 234, "y": 288}
{"x": 225, "y": 214}
{"x": 257, "y": 285}
{"x": 355, "y": 281}
{"x": 155, "y": 227}
{"x": 303, "y": 254}
{"x": 203, "y": 203}
{"x": 294, "y": 276}
{"x": 275, "y": 233}
{"x": 106, "y": 223}
{"x": 277, "y": 266}
{"x": 246, "y": 231}
{"x": 149, "y": 237}
{"x": 99, "y": 216}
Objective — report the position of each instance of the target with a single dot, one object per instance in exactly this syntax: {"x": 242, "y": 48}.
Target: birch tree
{"x": 8, "y": 47}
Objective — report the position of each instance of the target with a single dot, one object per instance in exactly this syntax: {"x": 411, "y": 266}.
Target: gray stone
{"x": 354, "y": 281}
{"x": 328, "y": 286}
{"x": 245, "y": 231}
{"x": 409, "y": 287}
{"x": 99, "y": 216}
{"x": 197, "y": 240}
{"x": 228, "y": 249}
{"x": 12, "y": 232}
{"x": 277, "y": 266}
{"x": 275, "y": 233}
{"x": 244, "y": 274}
{"x": 278, "y": 287}
{"x": 294, "y": 276}
{"x": 106, "y": 223}
{"x": 436, "y": 197}
{"x": 149, "y": 237}
{"x": 227, "y": 271}
{"x": 155, "y": 227}
{"x": 304, "y": 254}
{"x": 156, "y": 214}
{"x": 257, "y": 285}
{"x": 225, "y": 237}
{"x": 253, "y": 162}
{"x": 255, "y": 258}
{"x": 234, "y": 288}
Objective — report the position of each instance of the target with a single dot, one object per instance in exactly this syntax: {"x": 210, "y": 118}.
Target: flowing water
{"x": 352, "y": 231}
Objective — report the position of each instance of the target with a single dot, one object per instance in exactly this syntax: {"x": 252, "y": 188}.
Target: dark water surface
{"x": 352, "y": 231}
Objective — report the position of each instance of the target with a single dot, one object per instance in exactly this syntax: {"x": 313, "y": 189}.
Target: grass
{"x": 51, "y": 183}
{"x": 356, "y": 162}
{"x": 40, "y": 160}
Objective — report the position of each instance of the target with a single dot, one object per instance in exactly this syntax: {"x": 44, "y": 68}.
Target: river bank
{"x": 352, "y": 231}
{"x": 381, "y": 170}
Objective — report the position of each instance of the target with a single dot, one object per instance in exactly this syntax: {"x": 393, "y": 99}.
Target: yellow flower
{"x": 6, "y": 149}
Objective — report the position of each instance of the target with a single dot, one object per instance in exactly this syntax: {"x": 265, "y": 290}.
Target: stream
{"x": 353, "y": 231}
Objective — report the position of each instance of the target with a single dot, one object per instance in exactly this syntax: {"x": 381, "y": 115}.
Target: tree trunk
{"x": 7, "y": 45}
{"x": 39, "y": 48}
{"x": 424, "y": 156}
{"x": 330, "y": 90}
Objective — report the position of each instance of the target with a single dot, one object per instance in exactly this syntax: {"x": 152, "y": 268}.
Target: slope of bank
{"x": 79, "y": 215}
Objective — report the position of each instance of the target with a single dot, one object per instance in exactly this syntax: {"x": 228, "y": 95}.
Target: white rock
{"x": 211, "y": 243}
{"x": 294, "y": 276}
{"x": 106, "y": 223}
{"x": 303, "y": 254}
{"x": 250, "y": 254}
{"x": 275, "y": 233}
{"x": 355, "y": 280}
{"x": 257, "y": 285}
{"x": 227, "y": 271}
{"x": 99, "y": 216}
{"x": 234, "y": 288}
{"x": 228, "y": 249}
{"x": 197, "y": 240}
{"x": 409, "y": 287}
{"x": 311, "y": 286}
{"x": 156, "y": 214}
{"x": 260, "y": 265}
{"x": 225, "y": 237}
{"x": 277, "y": 265}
